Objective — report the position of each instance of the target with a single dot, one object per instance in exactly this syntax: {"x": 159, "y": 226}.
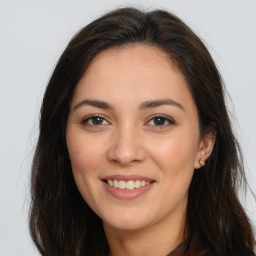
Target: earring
{"x": 202, "y": 162}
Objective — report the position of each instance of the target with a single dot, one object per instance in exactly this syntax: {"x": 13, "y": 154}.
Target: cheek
{"x": 175, "y": 153}
{"x": 175, "y": 158}
{"x": 83, "y": 152}
{"x": 85, "y": 156}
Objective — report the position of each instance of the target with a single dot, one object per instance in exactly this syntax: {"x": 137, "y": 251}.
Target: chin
{"x": 126, "y": 226}
{"x": 126, "y": 221}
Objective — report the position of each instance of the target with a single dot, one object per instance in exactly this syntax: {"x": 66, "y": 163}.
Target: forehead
{"x": 129, "y": 57}
{"x": 131, "y": 73}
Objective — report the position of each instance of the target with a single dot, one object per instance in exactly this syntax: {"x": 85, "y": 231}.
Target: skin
{"x": 128, "y": 140}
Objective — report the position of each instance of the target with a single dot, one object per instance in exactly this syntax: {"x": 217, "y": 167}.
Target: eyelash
{"x": 160, "y": 116}
{"x": 165, "y": 118}
{"x": 87, "y": 119}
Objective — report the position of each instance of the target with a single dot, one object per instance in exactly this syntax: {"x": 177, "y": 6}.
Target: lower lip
{"x": 126, "y": 194}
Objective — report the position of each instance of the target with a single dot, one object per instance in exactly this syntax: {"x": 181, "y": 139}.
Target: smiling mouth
{"x": 128, "y": 185}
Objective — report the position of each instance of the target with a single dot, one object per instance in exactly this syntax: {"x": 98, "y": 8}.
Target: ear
{"x": 205, "y": 147}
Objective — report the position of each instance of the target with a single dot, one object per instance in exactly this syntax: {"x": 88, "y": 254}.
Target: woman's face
{"x": 133, "y": 137}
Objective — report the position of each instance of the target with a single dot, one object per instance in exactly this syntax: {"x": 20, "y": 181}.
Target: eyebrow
{"x": 157, "y": 103}
{"x": 145, "y": 105}
{"x": 94, "y": 103}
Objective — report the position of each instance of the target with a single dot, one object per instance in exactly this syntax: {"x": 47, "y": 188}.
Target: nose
{"x": 126, "y": 147}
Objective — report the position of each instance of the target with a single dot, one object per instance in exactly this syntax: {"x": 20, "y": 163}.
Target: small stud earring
{"x": 202, "y": 162}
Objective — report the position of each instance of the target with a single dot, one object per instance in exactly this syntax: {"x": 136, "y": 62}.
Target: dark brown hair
{"x": 61, "y": 223}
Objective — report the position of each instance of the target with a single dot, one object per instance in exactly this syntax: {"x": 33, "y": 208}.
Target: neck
{"x": 158, "y": 239}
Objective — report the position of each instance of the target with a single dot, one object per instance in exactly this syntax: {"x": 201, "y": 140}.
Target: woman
{"x": 136, "y": 155}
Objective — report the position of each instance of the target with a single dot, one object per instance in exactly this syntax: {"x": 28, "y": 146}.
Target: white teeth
{"x": 137, "y": 183}
{"x": 115, "y": 184}
{"x": 130, "y": 184}
{"x": 122, "y": 184}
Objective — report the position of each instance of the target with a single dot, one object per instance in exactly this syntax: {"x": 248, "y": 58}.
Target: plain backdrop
{"x": 32, "y": 36}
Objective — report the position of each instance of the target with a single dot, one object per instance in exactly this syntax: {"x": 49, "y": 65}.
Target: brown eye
{"x": 161, "y": 121}
{"x": 97, "y": 120}
{"x": 94, "y": 121}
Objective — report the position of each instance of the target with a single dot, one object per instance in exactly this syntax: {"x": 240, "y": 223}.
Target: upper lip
{"x": 127, "y": 177}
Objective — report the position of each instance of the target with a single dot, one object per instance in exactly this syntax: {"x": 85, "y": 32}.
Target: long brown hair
{"x": 61, "y": 223}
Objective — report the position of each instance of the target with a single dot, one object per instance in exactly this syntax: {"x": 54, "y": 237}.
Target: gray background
{"x": 32, "y": 36}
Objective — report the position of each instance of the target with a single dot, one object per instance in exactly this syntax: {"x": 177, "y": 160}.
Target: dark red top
{"x": 194, "y": 247}
{"x": 189, "y": 248}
